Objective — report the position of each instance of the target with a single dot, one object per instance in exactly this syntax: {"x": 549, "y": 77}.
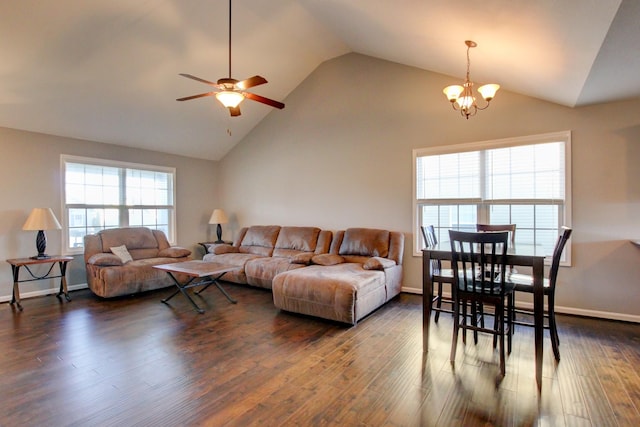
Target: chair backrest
{"x": 430, "y": 240}
{"x": 429, "y": 236}
{"x": 511, "y": 228}
{"x": 557, "y": 254}
{"x": 479, "y": 261}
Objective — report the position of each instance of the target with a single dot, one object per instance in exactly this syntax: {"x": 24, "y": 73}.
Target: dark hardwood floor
{"x": 135, "y": 361}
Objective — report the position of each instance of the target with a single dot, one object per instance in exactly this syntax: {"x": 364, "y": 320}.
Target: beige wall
{"x": 339, "y": 155}
{"x": 30, "y": 176}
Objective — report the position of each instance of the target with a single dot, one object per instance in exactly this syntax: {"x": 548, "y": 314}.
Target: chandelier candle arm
{"x": 462, "y": 98}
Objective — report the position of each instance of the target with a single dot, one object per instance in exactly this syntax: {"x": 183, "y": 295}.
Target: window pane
{"x": 149, "y": 188}
{"x": 523, "y": 216}
{"x": 525, "y": 172}
{"x": 500, "y": 214}
{"x": 448, "y": 176}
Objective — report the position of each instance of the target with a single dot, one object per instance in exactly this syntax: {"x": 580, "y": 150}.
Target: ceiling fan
{"x": 231, "y": 92}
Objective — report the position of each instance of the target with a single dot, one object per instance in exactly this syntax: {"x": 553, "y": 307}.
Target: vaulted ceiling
{"x": 107, "y": 70}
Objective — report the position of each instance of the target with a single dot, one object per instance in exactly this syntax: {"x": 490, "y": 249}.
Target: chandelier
{"x": 462, "y": 98}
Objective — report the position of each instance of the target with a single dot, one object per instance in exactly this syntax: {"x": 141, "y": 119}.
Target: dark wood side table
{"x": 16, "y": 263}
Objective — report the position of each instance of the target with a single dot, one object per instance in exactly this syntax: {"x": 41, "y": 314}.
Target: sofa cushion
{"x": 104, "y": 259}
{"x": 174, "y": 252}
{"x": 261, "y": 271}
{"x": 122, "y": 253}
{"x": 365, "y": 242}
{"x": 132, "y": 238}
{"x": 303, "y": 258}
{"x": 327, "y": 259}
{"x": 260, "y": 239}
{"x": 298, "y": 238}
{"x": 377, "y": 263}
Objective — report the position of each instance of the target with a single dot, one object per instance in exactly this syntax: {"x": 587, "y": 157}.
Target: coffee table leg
{"x": 181, "y": 288}
{"x": 214, "y": 281}
{"x": 231, "y": 300}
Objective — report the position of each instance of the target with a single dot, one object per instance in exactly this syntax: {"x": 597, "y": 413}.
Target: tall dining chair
{"x": 524, "y": 283}
{"x": 478, "y": 261}
{"x": 511, "y": 228}
{"x": 440, "y": 275}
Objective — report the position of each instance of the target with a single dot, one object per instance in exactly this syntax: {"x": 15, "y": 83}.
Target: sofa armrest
{"x": 174, "y": 252}
{"x": 104, "y": 259}
{"x": 378, "y": 263}
{"x": 222, "y": 248}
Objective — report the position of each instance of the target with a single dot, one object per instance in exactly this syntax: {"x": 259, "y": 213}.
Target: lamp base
{"x": 40, "y": 256}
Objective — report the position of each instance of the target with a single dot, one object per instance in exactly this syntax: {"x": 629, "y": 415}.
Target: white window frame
{"x": 565, "y": 219}
{"x": 64, "y": 159}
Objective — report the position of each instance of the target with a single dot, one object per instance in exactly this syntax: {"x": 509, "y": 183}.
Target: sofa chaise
{"x": 131, "y": 271}
{"x": 362, "y": 272}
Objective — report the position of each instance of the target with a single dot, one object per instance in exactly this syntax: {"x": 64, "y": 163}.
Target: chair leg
{"x": 553, "y": 331}
{"x": 499, "y": 317}
{"x": 474, "y": 321}
{"x": 438, "y": 302}
{"x": 464, "y": 321}
{"x": 510, "y": 302}
{"x": 456, "y": 327}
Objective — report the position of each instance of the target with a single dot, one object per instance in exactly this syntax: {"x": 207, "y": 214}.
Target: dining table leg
{"x": 538, "y": 315}
{"x": 427, "y": 297}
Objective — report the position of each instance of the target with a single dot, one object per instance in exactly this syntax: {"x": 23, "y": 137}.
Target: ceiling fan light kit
{"x": 231, "y": 92}
{"x": 229, "y": 98}
{"x": 462, "y": 98}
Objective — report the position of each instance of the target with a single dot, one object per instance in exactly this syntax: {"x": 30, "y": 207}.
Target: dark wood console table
{"x": 17, "y": 263}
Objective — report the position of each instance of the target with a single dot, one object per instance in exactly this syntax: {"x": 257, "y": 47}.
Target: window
{"x": 100, "y": 194}
{"x": 523, "y": 181}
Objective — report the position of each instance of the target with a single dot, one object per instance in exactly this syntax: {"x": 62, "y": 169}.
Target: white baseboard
{"x": 564, "y": 310}
{"x": 42, "y": 292}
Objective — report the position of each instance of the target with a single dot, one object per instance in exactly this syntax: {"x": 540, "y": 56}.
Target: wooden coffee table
{"x": 208, "y": 272}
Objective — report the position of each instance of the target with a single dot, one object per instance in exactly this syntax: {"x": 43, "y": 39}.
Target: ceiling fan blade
{"x": 189, "y": 76}
{"x": 202, "y": 95}
{"x": 235, "y": 111}
{"x": 251, "y": 82}
{"x": 270, "y": 102}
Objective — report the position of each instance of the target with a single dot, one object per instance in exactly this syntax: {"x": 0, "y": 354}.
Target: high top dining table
{"x": 520, "y": 255}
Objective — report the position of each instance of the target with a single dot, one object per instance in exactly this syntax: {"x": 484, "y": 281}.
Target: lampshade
{"x": 230, "y": 98}
{"x": 488, "y": 91}
{"x": 453, "y": 92}
{"x": 41, "y": 219}
{"x": 218, "y": 217}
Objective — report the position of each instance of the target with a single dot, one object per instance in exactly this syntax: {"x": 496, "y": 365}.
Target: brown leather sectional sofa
{"x": 341, "y": 276}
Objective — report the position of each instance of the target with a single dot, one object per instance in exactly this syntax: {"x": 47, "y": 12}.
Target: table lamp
{"x": 41, "y": 219}
{"x": 218, "y": 217}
